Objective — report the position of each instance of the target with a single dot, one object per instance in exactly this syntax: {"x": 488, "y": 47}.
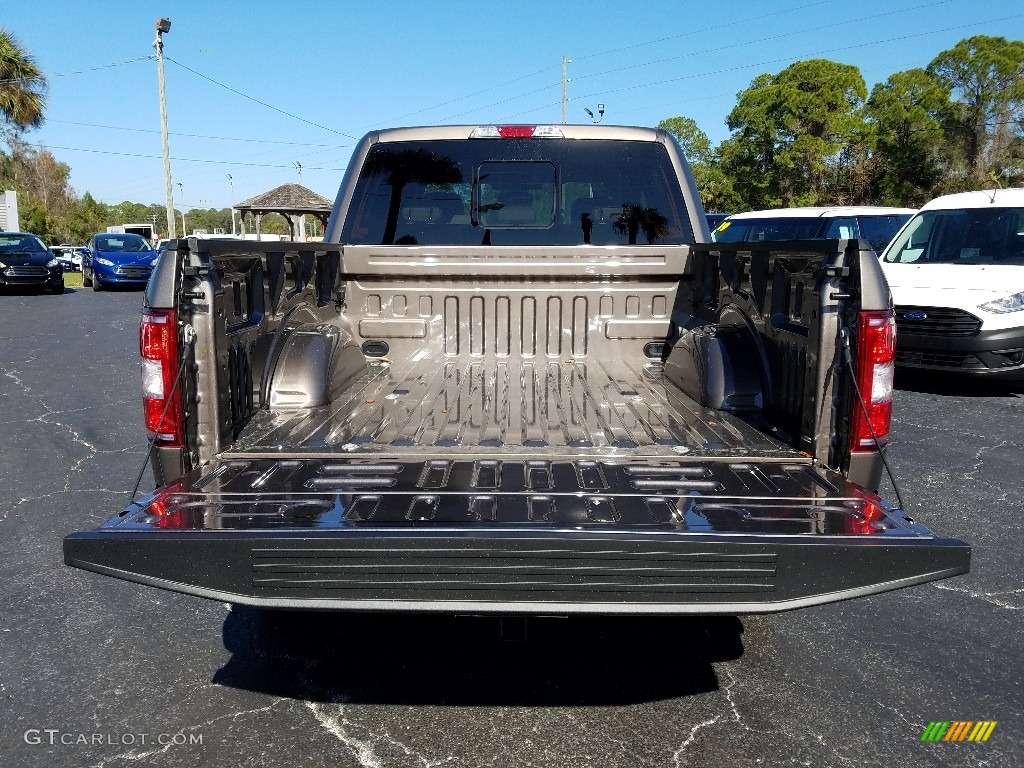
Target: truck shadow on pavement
{"x": 949, "y": 384}
{"x": 455, "y": 660}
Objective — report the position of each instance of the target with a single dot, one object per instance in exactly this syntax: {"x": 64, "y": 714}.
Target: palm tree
{"x": 22, "y": 86}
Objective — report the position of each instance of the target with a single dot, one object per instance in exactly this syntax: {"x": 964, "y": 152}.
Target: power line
{"x": 261, "y": 103}
{"x": 732, "y": 23}
{"x": 798, "y": 57}
{"x": 719, "y": 49}
{"x": 85, "y": 71}
{"x": 198, "y": 135}
{"x": 179, "y": 159}
{"x": 717, "y": 72}
{"x": 104, "y": 66}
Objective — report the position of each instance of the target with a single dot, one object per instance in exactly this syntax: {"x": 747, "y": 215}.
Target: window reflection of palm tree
{"x": 406, "y": 167}
{"x": 587, "y": 224}
{"x": 635, "y": 218}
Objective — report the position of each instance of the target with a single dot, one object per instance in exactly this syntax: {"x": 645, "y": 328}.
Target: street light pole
{"x": 164, "y": 25}
{"x": 231, "y": 181}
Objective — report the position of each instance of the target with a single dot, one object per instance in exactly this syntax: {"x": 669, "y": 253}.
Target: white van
{"x": 874, "y": 223}
{"x": 956, "y": 271}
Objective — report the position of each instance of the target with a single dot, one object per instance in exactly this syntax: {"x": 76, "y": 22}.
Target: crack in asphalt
{"x": 677, "y": 756}
{"x": 76, "y": 438}
{"x": 5, "y": 513}
{"x": 134, "y": 756}
{"x": 61, "y": 411}
{"x": 977, "y": 457}
{"x": 734, "y": 715}
{"x": 366, "y": 749}
{"x": 988, "y": 597}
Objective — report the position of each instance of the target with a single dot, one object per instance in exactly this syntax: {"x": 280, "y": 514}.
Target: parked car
{"x": 68, "y": 256}
{"x": 61, "y": 255}
{"x": 956, "y": 271}
{"x": 876, "y": 224}
{"x": 714, "y": 219}
{"x": 26, "y": 261}
{"x": 117, "y": 259}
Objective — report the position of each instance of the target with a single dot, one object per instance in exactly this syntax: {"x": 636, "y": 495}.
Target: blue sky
{"x": 340, "y": 69}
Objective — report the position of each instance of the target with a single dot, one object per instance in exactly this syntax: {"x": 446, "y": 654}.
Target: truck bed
{"x": 509, "y": 408}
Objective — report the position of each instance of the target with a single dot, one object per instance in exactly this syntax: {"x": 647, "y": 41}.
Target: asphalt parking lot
{"x": 99, "y": 672}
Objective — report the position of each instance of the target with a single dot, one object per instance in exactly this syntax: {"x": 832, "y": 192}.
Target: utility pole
{"x": 164, "y": 25}
{"x": 565, "y": 81}
{"x": 181, "y": 189}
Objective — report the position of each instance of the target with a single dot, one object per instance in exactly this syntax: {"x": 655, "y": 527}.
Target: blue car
{"x": 115, "y": 259}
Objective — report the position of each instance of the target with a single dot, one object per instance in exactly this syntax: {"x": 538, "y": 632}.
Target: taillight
{"x": 876, "y": 361}
{"x": 161, "y": 399}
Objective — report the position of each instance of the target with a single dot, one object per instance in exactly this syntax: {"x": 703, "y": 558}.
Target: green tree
{"x": 210, "y": 219}
{"x": 41, "y": 182}
{"x": 270, "y": 223}
{"x": 695, "y": 143}
{"x": 86, "y": 217}
{"x": 131, "y": 213}
{"x": 715, "y": 187}
{"x": 908, "y": 111}
{"x": 788, "y": 132}
{"x": 985, "y": 76}
{"x": 22, "y": 86}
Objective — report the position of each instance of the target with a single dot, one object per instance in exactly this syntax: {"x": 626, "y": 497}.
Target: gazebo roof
{"x": 288, "y": 198}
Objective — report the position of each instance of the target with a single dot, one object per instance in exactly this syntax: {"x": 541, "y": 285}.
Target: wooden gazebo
{"x": 293, "y": 201}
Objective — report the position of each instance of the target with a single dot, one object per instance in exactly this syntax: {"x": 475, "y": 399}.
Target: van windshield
{"x": 961, "y": 236}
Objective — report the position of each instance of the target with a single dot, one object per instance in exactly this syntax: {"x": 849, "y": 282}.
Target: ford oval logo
{"x": 915, "y": 315}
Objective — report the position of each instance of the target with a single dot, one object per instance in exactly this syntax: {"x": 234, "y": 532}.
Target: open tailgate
{"x": 545, "y": 536}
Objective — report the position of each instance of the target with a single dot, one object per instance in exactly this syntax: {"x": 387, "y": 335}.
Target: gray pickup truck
{"x": 516, "y": 377}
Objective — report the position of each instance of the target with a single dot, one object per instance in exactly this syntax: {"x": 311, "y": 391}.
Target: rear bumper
{"x": 664, "y": 537}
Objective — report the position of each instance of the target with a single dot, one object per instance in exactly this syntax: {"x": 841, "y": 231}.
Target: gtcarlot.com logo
{"x": 958, "y": 730}
{"x": 57, "y": 737}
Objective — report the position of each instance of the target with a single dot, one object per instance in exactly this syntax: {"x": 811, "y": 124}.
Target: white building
{"x": 9, "y": 211}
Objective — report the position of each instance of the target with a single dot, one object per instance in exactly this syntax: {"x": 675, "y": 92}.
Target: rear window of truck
{"x": 517, "y": 192}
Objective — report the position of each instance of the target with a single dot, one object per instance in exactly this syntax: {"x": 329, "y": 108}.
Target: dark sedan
{"x": 117, "y": 259}
{"x": 26, "y": 261}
